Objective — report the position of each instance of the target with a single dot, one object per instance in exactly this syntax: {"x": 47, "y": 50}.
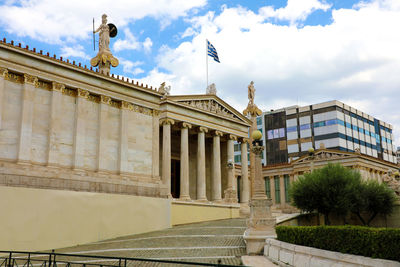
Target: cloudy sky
{"x": 296, "y": 51}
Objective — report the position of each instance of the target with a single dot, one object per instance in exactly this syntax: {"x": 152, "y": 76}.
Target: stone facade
{"x": 64, "y": 126}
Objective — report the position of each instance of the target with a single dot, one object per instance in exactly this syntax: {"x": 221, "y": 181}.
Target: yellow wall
{"x": 182, "y": 213}
{"x": 39, "y": 219}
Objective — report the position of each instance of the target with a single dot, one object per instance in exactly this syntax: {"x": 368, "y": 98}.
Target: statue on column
{"x": 104, "y": 58}
{"x": 251, "y": 109}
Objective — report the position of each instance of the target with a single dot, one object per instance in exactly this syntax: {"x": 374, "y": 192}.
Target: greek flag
{"x": 212, "y": 52}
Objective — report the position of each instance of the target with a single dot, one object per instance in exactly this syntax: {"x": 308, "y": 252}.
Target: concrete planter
{"x": 286, "y": 254}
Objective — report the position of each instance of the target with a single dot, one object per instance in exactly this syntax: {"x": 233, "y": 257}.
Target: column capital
{"x": 218, "y": 133}
{"x": 30, "y": 79}
{"x": 186, "y": 125}
{"x": 3, "y": 72}
{"x": 232, "y": 137}
{"x": 156, "y": 112}
{"x": 105, "y": 99}
{"x": 244, "y": 140}
{"x": 59, "y": 87}
{"x": 202, "y": 129}
{"x": 126, "y": 105}
{"x": 83, "y": 93}
{"x": 165, "y": 121}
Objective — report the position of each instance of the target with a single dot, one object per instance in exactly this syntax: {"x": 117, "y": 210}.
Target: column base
{"x": 230, "y": 196}
{"x": 202, "y": 200}
{"x": 244, "y": 210}
{"x": 185, "y": 198}
{"x": 217, "y": 201}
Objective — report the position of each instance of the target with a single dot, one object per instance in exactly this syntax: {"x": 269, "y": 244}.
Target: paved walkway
{"x": 207, "y": 242}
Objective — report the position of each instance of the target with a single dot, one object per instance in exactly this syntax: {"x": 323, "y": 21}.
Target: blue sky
{"x": 297, "y": 51}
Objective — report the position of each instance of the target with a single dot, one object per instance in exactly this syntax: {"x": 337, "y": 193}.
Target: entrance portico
{"x": 199, "y": 131}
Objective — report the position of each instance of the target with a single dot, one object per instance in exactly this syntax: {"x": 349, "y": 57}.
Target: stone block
{"x": 320, "y": 262}
{"x": 286, "y": 256}
{"x": 302, "y": 260}
{"x": 274, "y": 252}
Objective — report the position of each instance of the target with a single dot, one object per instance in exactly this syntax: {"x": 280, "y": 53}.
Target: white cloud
{"x": 54, "y": 21}
{"x": 131, "y": 43}
{"x": 356, "y": 57}
{"x": 131, "y": 67}
{"x": 295, "y": 10}
{"x": 74, "y": 51}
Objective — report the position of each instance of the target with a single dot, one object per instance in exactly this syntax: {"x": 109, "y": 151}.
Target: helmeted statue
{"x": 252, "y": 108}
{"x": 104, "y": 35}
{"x": 251, "y": 92}
{"x": 104, "y": 59}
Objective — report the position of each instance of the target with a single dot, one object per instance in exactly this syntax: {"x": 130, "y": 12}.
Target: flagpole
{"x": 207, "y": 62}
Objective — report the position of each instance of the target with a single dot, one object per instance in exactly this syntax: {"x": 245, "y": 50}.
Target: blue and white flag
{"x": 212, "y": 52}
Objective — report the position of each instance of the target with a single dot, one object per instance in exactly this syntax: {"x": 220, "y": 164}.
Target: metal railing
{"x": 52, "y": 259}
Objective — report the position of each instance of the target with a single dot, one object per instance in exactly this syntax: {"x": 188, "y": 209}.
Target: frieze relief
{"x": 44, "y": 85}
{"x": 3, "y": 72}
{"x": 14, "y": 77}
{"x": 31, "y": 79}
{"x": 211, "y": 106}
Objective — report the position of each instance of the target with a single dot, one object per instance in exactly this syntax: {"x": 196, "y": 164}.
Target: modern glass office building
{"x": 290, "y": 132}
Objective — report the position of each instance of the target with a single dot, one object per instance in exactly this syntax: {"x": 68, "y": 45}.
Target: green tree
{"x": 372, "y": 199}
{"x": 326, "y": 190}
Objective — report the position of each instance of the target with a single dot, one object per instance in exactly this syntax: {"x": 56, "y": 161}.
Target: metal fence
{"x": 52, "y": 259}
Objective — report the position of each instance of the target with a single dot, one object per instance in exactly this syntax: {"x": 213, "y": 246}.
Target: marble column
{"x": 156, "y": 144}
{"x": 54, "y": 126}
{"x": 282, "y": 191}
{"x": 184, "y": 192}
{"x": 201, "y": 164}
{"x": 79, "y": 134}
{"x": 272, "y": 188}
{"x": 230, "y": 193}
{"x": 3, "y": 74}
{"x": 105, "y": 101}
{"x": 166, "y": 154}
{"x": 25, "y": 138}
{"x": 245, "y": 172}
{"x": 216, "y": 167}
{"x": 123, "y": 163}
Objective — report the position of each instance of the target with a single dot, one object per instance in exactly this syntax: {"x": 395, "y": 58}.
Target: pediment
{"x": 323, "y": 155}
{"x": 211, "y": 104}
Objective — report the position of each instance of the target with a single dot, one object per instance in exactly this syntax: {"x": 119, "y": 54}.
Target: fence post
{"x": 9, "y": 259}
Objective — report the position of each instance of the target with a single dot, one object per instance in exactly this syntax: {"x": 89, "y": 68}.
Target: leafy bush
{"x": 383, "y": 243}
{"x": 339, "y": 190}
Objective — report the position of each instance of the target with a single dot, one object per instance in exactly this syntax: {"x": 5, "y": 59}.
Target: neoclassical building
{"x": 279, "y": 177}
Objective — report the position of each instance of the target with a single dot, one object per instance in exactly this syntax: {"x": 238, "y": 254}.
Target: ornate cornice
{"x": 244, "y": 140}
{"x": 3, "y": 72}
{"x": 83, "y": 93}
{"x": 105, "y": 99}
{"x": 30, "y": 79}
{"x": 156, "y": 113}
{"x": 126, "y": 105}
{"x": 59, "y": 87}
{"x": 166, "y": 121}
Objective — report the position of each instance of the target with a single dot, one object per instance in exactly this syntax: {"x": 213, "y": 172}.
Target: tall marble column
{"x": 25, "y": 138}
{"x": 123, "y": 163}
{"x": 230, "y": 193}
{"x": 156, "y": 144}
{"x": 216, "y": 167}
{"x": 201, "y": 164}
{"x": 245, "y": 172}
{"x": 3, "y": 74}
{"x": 166, "y": 154}
{"x": 54, "y": 126}
{"x": 105, "y": 101}
{"x": 282, "y": 191}
{"x": 79, "y": 135}
{"x": 184, "y": 192}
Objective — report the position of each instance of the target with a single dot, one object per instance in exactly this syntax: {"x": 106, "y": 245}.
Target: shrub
{"x": 383, "y": 243}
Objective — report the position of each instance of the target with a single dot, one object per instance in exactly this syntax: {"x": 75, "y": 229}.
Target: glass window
{"x": 361, "y": 130}
{"x": 304, "y": 126}
{"x": 287, "y": 186}
{"x": 270, "y": 134}
{"x": 340, "y": 122}
{"x": 276, "y": 133}
{"x": 259, "y": 120}
{"x": 277, "y": 190}
{"x": 348, "y": 125}
{"x": 281, "y": 132}
{"x": 367, "y": 133}
{"x": 355, "y": 128}
{"x": 331, "y": 122}
{"x": 267, "y": 187}
{"x": 319, "y": 124}
{"x": 372, "y": 134}
{"x": 291, "y": 129}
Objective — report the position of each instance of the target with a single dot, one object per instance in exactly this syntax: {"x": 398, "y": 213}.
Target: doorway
{"x": 175, "y": 178}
